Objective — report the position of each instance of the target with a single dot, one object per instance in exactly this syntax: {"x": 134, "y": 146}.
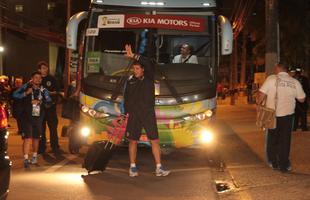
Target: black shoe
{"x": 274, "y": 166}
{"x": 58, "y": 151}
{"x": 286, "y": 169}
{"x": 41, "y": 151}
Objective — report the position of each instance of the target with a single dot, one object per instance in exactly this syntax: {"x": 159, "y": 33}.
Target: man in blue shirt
{"x": 35, "y": 98}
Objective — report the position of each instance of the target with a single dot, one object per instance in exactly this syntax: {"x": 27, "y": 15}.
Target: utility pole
{"x": 234, "y": 72}
{"x": 68, "y": 55}
{"x": 1, "y": 44}
{"x": 243, "y": 58}
{"x": 272, "y": 55}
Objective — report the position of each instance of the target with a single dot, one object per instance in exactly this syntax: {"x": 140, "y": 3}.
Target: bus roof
{"x": 159, "y": 3}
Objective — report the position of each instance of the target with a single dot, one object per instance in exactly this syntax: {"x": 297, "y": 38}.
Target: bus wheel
{"x": 74, "y": 144}
{"x": 166, "y": 150}
{"x": 64, "y": 131}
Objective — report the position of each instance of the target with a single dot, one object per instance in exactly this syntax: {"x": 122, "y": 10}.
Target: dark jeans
{"x": 279, "y": 142}
{"x": 51, "y": 120}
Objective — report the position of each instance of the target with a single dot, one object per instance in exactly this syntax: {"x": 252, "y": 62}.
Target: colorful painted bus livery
{"x": 185, "y": 92}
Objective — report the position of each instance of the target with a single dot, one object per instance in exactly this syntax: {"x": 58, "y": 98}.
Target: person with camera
{"x": 35, "y": 97}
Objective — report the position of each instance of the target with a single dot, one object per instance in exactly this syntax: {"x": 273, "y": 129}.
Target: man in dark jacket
{"x": 139, "y": 101}
{"x": 17, "y": 104}
{"x": 302, "y": 108}
{"x": 35, "y": 98}
{"x": 49, "y": 82}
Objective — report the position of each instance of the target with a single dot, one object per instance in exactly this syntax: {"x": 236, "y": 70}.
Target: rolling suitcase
{"x": 98, "y": 156}
{"x": 100, "y": 152}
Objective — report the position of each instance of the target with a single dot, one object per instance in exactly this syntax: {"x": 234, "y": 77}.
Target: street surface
{"x": 240, "y": 147}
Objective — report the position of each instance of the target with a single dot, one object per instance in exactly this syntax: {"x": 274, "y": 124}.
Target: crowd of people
{"x": 33, "y": 105}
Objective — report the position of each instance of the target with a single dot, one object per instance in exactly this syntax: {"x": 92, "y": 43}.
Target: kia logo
{"x": 134, "y": 20}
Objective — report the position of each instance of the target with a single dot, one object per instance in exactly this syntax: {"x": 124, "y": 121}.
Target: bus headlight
{"x": 85, "y": 131}
{"x": 206, "y": 136}
{"x": 93, "y": 113}
{"x": 209, "y": 113}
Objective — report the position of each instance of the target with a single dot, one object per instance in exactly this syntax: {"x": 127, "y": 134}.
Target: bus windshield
{"x": 105, "y": 52}
{"x": 165, "y": 44}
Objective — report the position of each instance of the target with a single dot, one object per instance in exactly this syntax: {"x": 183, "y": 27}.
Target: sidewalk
{"x": 255, "y": 180}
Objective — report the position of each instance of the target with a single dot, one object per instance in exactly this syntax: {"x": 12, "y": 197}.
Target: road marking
{"x": 173, "y": 170}
{"x": 61, "y": 164}
{"x": 191, "y": 169}
{"x": 236, "y": 166}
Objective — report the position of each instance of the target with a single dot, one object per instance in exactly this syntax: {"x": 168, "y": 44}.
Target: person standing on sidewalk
{"x": 301, "y": 108}
{"x": 17, "y": 104}
{"x": 139, "y": 102}
{"x": 49, "y": 82}
{"x": 281, "y": 91}
{"x": 36, "y": 97}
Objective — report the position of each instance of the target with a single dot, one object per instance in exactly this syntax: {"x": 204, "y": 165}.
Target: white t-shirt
{"x": 178, "y": 59}
{"x": 288, "y": 90}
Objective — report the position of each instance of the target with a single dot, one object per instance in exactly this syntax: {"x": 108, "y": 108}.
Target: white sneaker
{"x": 34, "y": 160}
{"x": 162, "y": 172}
{"x": 133, "y": 172}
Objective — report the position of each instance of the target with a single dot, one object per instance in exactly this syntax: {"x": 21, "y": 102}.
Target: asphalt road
{"x": 240, "y": 145}
{"x": 62, "y": 177}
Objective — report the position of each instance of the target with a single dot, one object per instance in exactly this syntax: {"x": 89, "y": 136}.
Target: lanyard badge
{"x": 36, "y": 108}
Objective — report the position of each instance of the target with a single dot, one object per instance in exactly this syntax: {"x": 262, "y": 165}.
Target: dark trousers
{"x": 279, "y": 142}
{"x": 51, "y": 120}
{"x": 19, "y": 124}
{"x": 300, "y": 116}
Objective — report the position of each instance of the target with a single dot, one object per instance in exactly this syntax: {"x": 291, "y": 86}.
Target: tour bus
{"x": 185, "y": 92}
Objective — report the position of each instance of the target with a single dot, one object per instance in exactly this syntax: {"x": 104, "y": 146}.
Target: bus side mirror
{"x": 226, "y": 35}
{"x": 72, "y": 29}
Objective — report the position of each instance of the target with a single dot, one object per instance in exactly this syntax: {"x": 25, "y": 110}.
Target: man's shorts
{"x": 32, "y": 128}
{"x": 137, "y": 121}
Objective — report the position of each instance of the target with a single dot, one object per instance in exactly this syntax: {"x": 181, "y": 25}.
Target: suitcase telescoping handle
{"x": 118, "y": 131}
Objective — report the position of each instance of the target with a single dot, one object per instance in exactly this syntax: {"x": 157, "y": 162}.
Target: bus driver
{"x": 185, "y": 56}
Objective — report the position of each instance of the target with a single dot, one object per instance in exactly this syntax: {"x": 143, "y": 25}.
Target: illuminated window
{"x": 19, "y": 8}
{"x": 51, "y": 5}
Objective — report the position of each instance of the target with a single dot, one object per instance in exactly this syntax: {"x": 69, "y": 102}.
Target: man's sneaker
{"x": 274, "y": 166}
{"x": 162, "y": 172}
{"x": 34, "y": 160}
{"x": 26, "y": 164}
{"x": 133, "y": 171}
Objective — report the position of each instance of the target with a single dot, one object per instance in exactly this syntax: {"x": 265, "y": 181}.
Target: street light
{"x": 1, "y": 49}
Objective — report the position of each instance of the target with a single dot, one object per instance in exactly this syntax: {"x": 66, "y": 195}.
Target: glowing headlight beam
{"x": 85, "y": 131}
{"x": 206, "y": 136}
{"x": 209, "y": 113}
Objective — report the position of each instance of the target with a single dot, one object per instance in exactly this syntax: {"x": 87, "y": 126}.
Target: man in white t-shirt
{"x": 279, "y": 139}
{"x": 185, "y": 56}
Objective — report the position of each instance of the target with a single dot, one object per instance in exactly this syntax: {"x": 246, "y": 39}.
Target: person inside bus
{"x": 185, "y": 55}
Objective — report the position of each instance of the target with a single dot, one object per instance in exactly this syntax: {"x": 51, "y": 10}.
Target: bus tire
{"x": 74, "y": 144}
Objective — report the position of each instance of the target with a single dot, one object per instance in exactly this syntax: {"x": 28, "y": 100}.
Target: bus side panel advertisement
{"x": 152, "y": 21}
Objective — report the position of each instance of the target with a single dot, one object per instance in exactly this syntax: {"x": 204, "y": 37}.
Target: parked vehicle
{"x": 5, "y": 163}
